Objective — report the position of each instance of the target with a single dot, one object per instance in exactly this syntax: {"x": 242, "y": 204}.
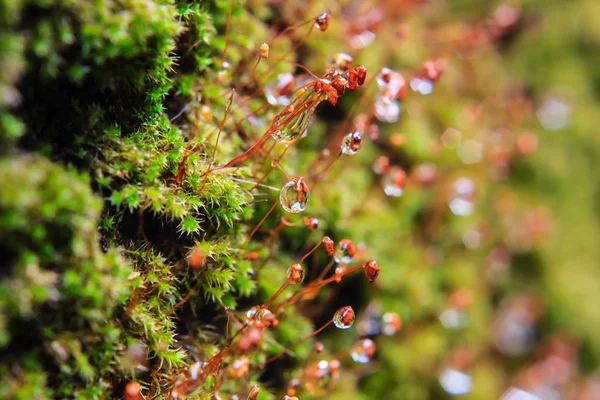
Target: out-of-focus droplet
{"x": 295, "y": 274}
{"x": 238, "y": 368}
{"x": 455, "y": 382}
{"x": 322, "y": 22}
{"x": 451, "y": 138}
{"x": 311, "y": 223}
{"x": 518, "y": 394}
{"x": 393, "y": 182}
{"x": 344, "y": 252}
{"x": 381, "y": 165}
{"x": 344, "y": 317}
{"x": 461, "y": 203}
{"x": 362, "y": 39}
{"x": 363, "y": 351}
{"x": 387, "y": 111}
{"x": 554, "y": 115}
{"x": 452, "y": 318}
{"x": 342, "y": 62}
{"x": 206, "y": 113}
{"x": 422, "y": 86}
{"x": 224, "y": 72}
{"x": 351, "y": 143}
{"x": 470, "y": 152}
{"x": 390, "y": 323}
{"x": 280, "y": 93}
{"x": 294, "y": 195}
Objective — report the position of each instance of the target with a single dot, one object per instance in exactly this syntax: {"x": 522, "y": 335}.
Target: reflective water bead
{"x": 344, "y": 252}
{"x": 311, "y": 223}
{"x": 224, "y": 72}
{"x": 264, "y": 318}
{"x": 344, "y": 317}
{"x": 238, "y": 368}
{"x": 386, "y": 110}
{"x": 363, "y": 351}
{"x": 279, "y": 93}
{"x": 351, "y": 143}
{"x": 422, "y": 86}
{"x": 455, "y": 382}
{"x": 390, "y": 323}
{"x": 339, "y": 273}
{"x": 294, "y": 195}
{"x": 393, "y": 182}
{"x": 295, "y": 274}
{"x": 322, "y": 22}
{"x": 291, "y": 124}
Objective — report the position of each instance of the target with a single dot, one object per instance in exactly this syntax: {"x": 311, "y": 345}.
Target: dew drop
{"x": 390, "y": 323}
{"x": 279, "y": 93}
{"x": 393, "y": 182}
{"x": 344, "y": 317}
{"x": 344, "y": 252}
{"x": 455, "y": 382}
{"x": 295, "y": 274}
{"x": 290, "y": 125}
{"x": 264, "y": 318}
{"x": 294, "y": 195}
{"x": 387, "y": 111}
{"x": 422, "y": 86}
{"x": 363, "y": 351}
{"x": 461, "y": 203}
{"x": 351, "y": 143}
{"x": 322, "y": 22}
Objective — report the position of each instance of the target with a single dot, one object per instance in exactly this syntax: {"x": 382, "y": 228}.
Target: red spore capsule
{"x": 329, "y": 246}
{"x": 371, "y": 270}
{"x": 295, "y": 274}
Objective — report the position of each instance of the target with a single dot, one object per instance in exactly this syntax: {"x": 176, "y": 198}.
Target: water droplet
{"x": 341, "y": 62}
{"x": 294, "y": 196}
{"x": 224, "y": 72}
{"x": 264, "y": 318}
{"x": 311, "y": 223}
{"x": 461, "y": 203}
{"x": 322, "y": 22}
{"x": 455, "y": 382}
{"x": 363, "y": 351}
{"x": 386, "y": 110}
{"x": 291, "y": 123}
{"x": 390, "y": 323}
{"x": 554, "y": 115}
{"x": 393, "y": 182}
{"x": 423, "y": 86}
{"x": 280, "y": 93}
{"x": 238, "y": 368}
{"x": 351, "y": 143}
{"x": 344, "y": 317}
{"x": 344, "y": 252}
{"x": 295, "y": 274}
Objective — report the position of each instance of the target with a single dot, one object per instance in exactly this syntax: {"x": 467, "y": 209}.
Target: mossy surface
{"x": 121, "y": 259}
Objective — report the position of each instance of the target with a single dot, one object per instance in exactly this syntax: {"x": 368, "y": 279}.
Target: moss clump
{"x": 58, "y": 289}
